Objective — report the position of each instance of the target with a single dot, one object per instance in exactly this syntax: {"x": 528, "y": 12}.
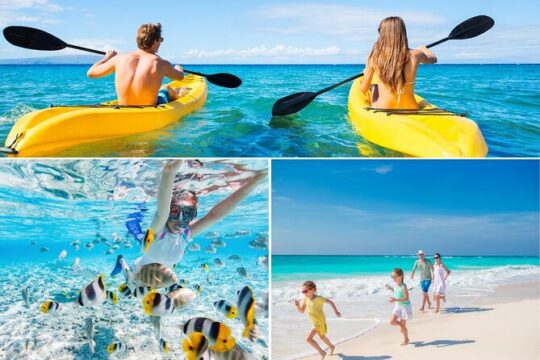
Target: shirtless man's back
{"x": 139, "y": 74}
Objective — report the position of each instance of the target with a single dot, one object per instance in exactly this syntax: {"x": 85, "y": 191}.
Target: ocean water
{"x": 356, "y": 285}
{"x": 46, "y": 205}
{"x": 502, "y": 99}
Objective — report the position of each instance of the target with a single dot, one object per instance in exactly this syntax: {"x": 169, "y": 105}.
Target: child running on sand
{"x": 314, "y": 305}
{"x": 402, "y": 308}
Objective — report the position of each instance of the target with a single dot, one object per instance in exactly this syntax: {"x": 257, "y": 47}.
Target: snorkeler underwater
{"x": 134, "y": 259}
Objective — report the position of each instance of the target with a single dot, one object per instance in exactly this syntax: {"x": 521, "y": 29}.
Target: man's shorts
{"x": 163, "y": 97}
{"x": 425, "y": 285}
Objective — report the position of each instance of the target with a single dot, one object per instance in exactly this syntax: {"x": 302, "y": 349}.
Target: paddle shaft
{"x": 104, "y": 53}
{"x": 362, "y": 73}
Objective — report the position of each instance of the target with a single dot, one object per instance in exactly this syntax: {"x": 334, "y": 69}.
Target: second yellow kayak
{"x": 47, "y": 131}
{"x": 432, "y": 133}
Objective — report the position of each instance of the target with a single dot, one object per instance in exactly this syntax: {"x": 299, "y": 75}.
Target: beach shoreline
{"x": 497, "y": 326}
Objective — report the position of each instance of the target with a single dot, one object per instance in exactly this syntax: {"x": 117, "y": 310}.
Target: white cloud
{"x": 26, "y": 4}
{"x": 16, "y": 11}
{"x": 513, "y": 225}
{"x": 279, "y": 51}
{"x": 337, "y": 19}
{"x": 384, "y": 169}
{"x": 347, "y": 210}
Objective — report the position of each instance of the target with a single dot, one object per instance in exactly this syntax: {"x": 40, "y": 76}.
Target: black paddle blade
{"x": 30, "y": 38}
{"x": 293, "y": 103}
{"x": 472, "y": 28}
{"x": 225, "y": 80}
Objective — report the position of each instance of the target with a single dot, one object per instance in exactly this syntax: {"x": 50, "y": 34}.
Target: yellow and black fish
{"x": 195, "y": 346}
{"x": 205, "y": 267}
{"x": 227, "y": 309}
{"x": 125, "y": 290}
{"x": 112, "y": 296}
{"x": 94, "y": 293}
{"x": 116, "y": 347}
{"x": 147, "y": 240}
{"x": 141, "y": 291}
{"x": 246, "y": 312}
{"x": 50, "y": 306}
{"x": 198, "y": 288}
{"x": 158, "y": 304}
{"x": 237, "y": 353}
{"x": 218, "y": 334}
{"x": 163, "y": 345}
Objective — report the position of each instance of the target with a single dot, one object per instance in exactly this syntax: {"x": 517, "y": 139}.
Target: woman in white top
{"x": 440, "y": 274}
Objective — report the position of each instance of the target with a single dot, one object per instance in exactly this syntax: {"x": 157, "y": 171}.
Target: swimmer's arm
{"x": 164, "y": 195}
{"x": 331, "y": 303}
{"x": 366, "y": 80}
{"x": 220, "y": 210}
{"x": 174, "y": 72}
{"x": 104, "y": 66}
{"x": 424, "y": 55}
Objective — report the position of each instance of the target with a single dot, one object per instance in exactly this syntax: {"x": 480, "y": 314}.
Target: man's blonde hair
{"x": 147, "y": 35}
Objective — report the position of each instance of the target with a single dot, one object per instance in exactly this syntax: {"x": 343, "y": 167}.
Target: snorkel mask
{"x": 183, "y": 214}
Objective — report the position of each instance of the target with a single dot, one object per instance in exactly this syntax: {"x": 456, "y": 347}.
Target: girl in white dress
{"x": 440, "y": 274}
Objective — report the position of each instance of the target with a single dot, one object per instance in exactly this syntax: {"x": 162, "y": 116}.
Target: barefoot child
{"x": 402, "y": 308}
{"x": 314, "y": 305}
{"x": 440, "y": 274}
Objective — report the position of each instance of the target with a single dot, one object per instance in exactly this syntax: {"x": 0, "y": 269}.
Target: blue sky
{"x": 394, "y": 207}
{"x": 276, "y": 31}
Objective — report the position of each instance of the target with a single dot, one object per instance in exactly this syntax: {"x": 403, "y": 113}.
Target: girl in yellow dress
{"x": 314, "y": 305}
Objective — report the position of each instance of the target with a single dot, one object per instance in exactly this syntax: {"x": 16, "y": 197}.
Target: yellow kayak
{"x": 430, "y": 132}
{"x": 44, "y": 132}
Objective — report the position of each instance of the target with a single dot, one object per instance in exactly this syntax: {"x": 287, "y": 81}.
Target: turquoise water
{"x": 46, "y": 205}
{"x": 502, "y": 99}
{"x": 293, "y": 267}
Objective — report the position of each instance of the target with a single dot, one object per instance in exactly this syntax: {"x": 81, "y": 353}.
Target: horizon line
{"x": 345, "y": 255}
{"x": 255, "y": 64}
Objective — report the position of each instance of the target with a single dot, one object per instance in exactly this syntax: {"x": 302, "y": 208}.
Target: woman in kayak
{"x": 175, "y": 221}
{"x": 394, "y": 65}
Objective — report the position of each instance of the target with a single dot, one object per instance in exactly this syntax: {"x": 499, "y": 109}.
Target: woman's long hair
{"x": 391, "y": 53}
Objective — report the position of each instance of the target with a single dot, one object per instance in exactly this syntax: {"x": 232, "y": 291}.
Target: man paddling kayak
{"x": 140, "y": 73}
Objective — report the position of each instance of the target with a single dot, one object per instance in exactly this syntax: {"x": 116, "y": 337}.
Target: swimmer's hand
{"x": 338, "y": 314}
{"x": 392, "y": 299}
{"x": 296, "y": 302}
{"x": 172, "y": 165}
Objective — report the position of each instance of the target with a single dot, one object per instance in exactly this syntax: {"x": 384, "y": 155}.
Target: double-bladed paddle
{"x": 466, "y": 30}
{"x": 35, "y": 39}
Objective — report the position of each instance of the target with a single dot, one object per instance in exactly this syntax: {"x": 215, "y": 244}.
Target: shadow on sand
{"x": 441, "y": 343}
{"x": 461, "y": 310}
{"x": 354, "y": 357}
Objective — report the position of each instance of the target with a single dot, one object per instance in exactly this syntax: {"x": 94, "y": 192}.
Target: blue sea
{"x": 356, "y": 285}
{"x": 502, "y": 99}
{"x": 45, "y": 206}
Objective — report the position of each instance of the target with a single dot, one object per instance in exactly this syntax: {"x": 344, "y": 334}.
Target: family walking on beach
{"x": 402, "y": 312}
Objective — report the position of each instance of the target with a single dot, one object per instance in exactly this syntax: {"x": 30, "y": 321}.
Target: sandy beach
{"x": 502, "y": 326}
